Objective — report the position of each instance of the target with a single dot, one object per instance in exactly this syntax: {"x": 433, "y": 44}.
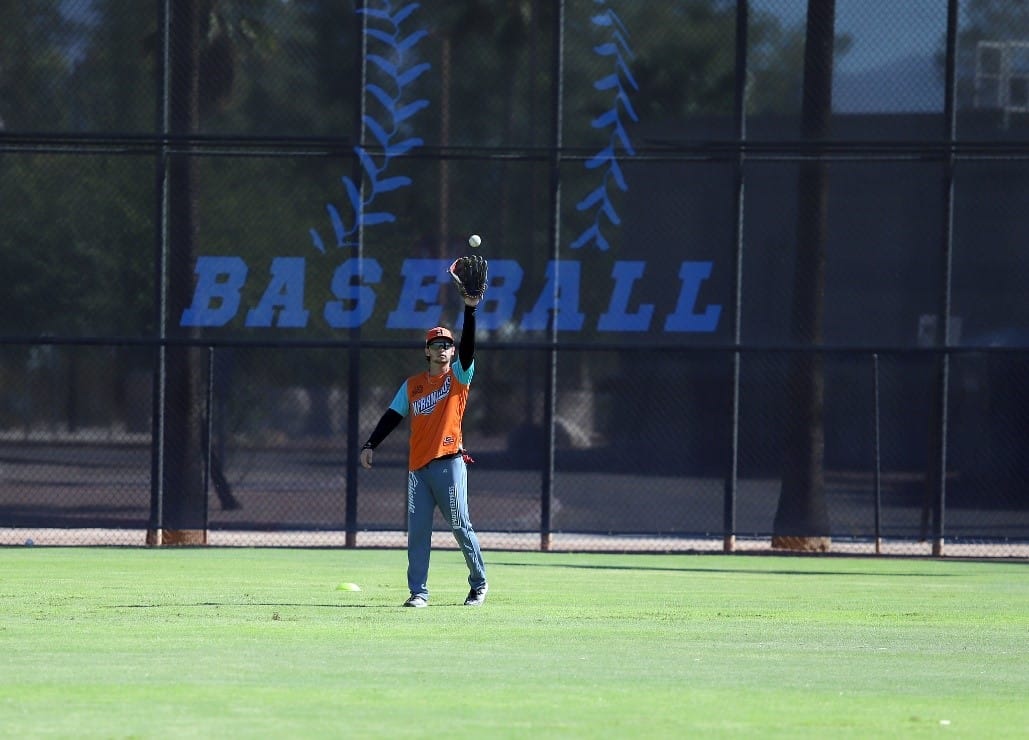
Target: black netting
{"x": 725, "y": 242}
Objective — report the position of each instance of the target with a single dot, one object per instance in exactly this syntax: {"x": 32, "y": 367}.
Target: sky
{"x": 881, "y": 31}
{"x": 894, "y": 45}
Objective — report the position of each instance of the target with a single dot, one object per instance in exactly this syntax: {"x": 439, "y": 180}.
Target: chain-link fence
{"x": 755, "y": 276}
{"x": 633, "y": 468}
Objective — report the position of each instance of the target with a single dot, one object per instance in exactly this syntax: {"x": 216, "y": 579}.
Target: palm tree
{"x": 178, "y": 513}
{"x": 200, "y": 37}
{"x": 802, "y": 520}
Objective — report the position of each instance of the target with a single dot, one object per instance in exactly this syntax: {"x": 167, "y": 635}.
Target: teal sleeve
{"x": 464, "y": 377}
{"x": 400, "y": 403}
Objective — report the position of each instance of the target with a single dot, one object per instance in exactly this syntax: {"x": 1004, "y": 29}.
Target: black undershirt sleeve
{"x": 466, "y": 349}
{"x": 387, "y": 424}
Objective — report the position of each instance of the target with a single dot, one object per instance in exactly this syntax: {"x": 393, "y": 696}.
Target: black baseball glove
{"x": 469, "y": 275}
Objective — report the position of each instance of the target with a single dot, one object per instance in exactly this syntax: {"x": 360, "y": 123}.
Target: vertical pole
{"x": 877, "y": 485}
{"x": 550, "y": 392}
{"x": 740, "y": 116}
{"x": 157, "y": 402}
{"x": 938, "y": 448}
{"x": 354, "y": 349}
{"x": 353, "y": 444}
{"x": 208, "y": 429}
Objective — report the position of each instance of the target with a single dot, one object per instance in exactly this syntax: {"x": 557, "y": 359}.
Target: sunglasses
{"x": 441, "y": 345}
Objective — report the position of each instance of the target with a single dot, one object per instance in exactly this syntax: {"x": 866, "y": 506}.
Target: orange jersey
{"x": 436, "y": 405}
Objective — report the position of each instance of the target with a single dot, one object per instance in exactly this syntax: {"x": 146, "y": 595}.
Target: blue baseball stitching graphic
{"x": 392, "y": 66}
{"x": 618, "y": 49}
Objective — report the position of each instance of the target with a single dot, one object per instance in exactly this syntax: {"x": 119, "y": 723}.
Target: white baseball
{"x": 474, "y": 240}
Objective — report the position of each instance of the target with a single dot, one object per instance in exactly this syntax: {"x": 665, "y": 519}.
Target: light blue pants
{"x": 442, "y": 483}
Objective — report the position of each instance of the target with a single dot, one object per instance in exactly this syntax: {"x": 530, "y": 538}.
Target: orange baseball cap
{"x": 439, "y": 332}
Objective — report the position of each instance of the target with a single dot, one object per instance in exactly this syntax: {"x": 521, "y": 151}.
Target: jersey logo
{"x": 426, "y": 405}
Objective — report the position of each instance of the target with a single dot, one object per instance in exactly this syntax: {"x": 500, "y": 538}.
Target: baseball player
{"x": 437, "y": 472}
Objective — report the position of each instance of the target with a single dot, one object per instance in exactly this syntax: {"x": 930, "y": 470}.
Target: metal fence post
{"x": 550, "y": 392}
{"x": 157, "y": 462}
{"x": 938, "y": 446}
{"x": 877, "y": 475}
{"x": 740, "y": 116}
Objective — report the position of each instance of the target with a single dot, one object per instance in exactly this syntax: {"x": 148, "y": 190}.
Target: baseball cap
{"x": 439, "y": 332}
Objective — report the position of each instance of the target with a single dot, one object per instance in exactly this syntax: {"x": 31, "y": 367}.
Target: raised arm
{"x": 466, "y": 348}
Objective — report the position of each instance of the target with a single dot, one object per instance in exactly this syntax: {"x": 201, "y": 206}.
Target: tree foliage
{"x": 287, "y": 69}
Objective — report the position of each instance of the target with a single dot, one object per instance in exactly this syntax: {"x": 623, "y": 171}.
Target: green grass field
{"x": 263, "y": 643}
